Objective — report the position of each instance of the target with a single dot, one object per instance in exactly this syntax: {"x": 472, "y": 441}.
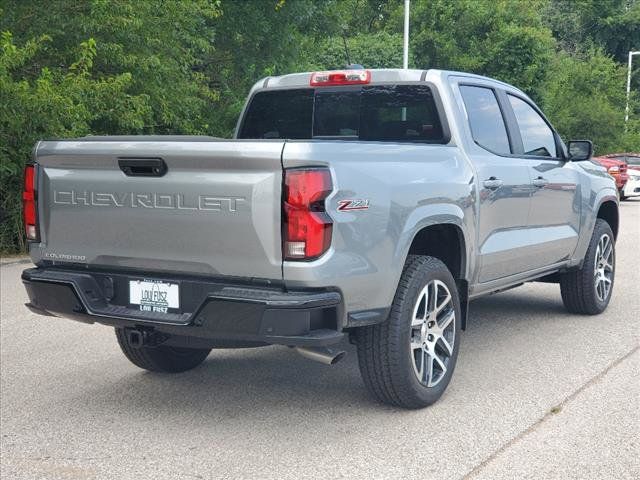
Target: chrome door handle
{"x": 492, "y": 183}
{"x": 540, "y": 182}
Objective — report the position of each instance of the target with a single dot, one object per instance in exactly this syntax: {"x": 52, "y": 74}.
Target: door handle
{"x": 540, "y": 182}
{"x": 492, "y": 183}
{"x": 142, "y": 167}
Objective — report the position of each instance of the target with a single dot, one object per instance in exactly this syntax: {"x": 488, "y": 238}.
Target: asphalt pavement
{"x": 537, "y": 393}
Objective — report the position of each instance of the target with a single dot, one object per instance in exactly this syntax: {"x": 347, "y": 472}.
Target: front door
{"x": 554, "y": 219}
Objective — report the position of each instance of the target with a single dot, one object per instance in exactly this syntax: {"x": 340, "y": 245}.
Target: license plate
{"x": 154, "y": 295}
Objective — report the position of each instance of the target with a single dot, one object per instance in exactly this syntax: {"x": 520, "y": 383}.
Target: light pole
{"x": 626, "y": 112}
{"x": 405, "y": 56}
{"x": 405, "y": 47}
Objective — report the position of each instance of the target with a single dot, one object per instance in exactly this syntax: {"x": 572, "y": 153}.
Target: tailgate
{"x": 215, "y": 211}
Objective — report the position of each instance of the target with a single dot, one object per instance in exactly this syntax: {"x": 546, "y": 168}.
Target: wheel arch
{"x": 444, "y": 237}
{"x": 605, "y": 206}
{"x": 444, "y": 241}
{"x": 608, "y": 211}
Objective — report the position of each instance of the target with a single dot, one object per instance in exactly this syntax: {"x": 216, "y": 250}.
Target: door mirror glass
{"x": 580, "y": 150}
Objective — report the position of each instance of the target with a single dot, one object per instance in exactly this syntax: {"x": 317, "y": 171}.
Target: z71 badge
{"x": 345, "y": 205}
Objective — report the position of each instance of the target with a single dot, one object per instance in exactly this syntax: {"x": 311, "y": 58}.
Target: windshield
{"x": 399, "y": 113}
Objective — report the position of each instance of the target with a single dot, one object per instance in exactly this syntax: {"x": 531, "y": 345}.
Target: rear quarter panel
{"x": 408, "y": 186}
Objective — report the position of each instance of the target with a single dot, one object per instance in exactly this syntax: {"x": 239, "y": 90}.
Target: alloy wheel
{"x": 432, "y": 333}
{"x": 603, "y": 268}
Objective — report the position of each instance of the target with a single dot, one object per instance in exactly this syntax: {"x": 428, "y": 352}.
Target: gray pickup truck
{"x": 368, "y": 204}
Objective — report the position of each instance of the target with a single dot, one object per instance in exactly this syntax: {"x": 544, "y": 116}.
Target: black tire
{"x": 385, "y": 351}
{"x": 578, "y": 287}
{"x": 162, "y": 358}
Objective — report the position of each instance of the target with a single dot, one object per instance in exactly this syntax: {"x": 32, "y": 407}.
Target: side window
{"x": 485, "y": 118}
{"x": 537, "y": 137}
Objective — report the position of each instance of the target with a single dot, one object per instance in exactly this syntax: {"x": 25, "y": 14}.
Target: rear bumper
{"x": 215, "y": 313}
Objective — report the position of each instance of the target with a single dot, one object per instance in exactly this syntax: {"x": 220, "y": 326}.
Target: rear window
{"x": 279, "y": 114}
{"x": 399, "y": 113}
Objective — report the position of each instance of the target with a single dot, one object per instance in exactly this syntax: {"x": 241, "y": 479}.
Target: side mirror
{"x": 580, "y": 150}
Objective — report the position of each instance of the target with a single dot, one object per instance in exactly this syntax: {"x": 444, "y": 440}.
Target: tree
{"x": 584, "y": 97}
{"x": 160, "y": 43}
{"x": 498, "y": 38}
{"x": 578, "y": 25}
{"x": 373, "y": 50}
{"x": 52, "y": 103}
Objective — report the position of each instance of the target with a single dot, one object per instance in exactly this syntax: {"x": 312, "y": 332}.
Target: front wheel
{"x": 588, "y": 290}
{"x": 408, "y": 360}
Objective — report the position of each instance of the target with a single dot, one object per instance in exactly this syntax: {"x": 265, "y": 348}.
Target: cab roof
{"x": 379, "y": 75}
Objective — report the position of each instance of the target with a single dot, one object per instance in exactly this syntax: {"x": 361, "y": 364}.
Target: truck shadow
{"x": 273, "y": 384}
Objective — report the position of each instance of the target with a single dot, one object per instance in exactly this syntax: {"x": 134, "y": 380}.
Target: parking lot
{"x": 538, "y": 393}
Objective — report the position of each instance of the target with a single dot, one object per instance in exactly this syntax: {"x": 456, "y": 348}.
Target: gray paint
{"x": 512, "y": 234}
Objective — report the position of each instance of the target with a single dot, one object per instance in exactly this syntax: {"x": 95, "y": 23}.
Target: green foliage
{"x": 499, "y": 38}
{"x": 70, "y": 68}
{"x": 578, "y": 25}
{"x": 584, "y": 98}
{"x": 159, "y": 43}
{"x": 52, "y": 103}
{"x": 255, "y": 39}
{"x": 375, "y": 50}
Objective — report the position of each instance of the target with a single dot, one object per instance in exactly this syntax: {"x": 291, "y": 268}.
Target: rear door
{"x": 214, "y": 211}
{"x": 504, "y": 183}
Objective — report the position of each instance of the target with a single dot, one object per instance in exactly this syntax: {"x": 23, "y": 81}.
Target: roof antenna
{"x": 344, "y": 41}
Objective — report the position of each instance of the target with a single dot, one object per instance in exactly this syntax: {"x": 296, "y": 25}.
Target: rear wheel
{"x": 408, "y": 360}
{"x": 162, "y": 358}
{"x": 588, "y": 290}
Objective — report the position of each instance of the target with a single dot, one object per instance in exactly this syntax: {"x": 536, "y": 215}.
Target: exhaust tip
{"x": 324, "y": 355}
{"x": 339, "y": 356}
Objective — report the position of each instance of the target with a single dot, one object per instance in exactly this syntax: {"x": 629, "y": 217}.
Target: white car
{"x": 632, "y": 187}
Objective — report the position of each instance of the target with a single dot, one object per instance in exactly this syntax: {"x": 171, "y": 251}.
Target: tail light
{"x": 307, "y": 226}
{"x": 29, "y": 205}
{"x": 343, "y": 77}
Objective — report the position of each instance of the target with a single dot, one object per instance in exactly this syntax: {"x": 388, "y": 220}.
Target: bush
{"x": 55, "y": 103}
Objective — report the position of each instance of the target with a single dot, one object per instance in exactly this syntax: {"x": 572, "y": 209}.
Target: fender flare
{"x": 439, "y": 214}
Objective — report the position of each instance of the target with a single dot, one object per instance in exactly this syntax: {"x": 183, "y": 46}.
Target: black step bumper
{"x": 214, "y": 312}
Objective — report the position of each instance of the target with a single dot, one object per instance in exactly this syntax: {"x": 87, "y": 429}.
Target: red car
{"x": 632, "y": 160}
{"x": 616, "y": 168}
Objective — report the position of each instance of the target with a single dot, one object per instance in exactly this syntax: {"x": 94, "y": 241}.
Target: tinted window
{"x": 537, "y": 137}
{"x": 399, "y": 112}
{"x": 337, "y": 114}
{"x": 386, "y": 113}
{"x": 279, "y": 114}
{"x": 485, "y": 118}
